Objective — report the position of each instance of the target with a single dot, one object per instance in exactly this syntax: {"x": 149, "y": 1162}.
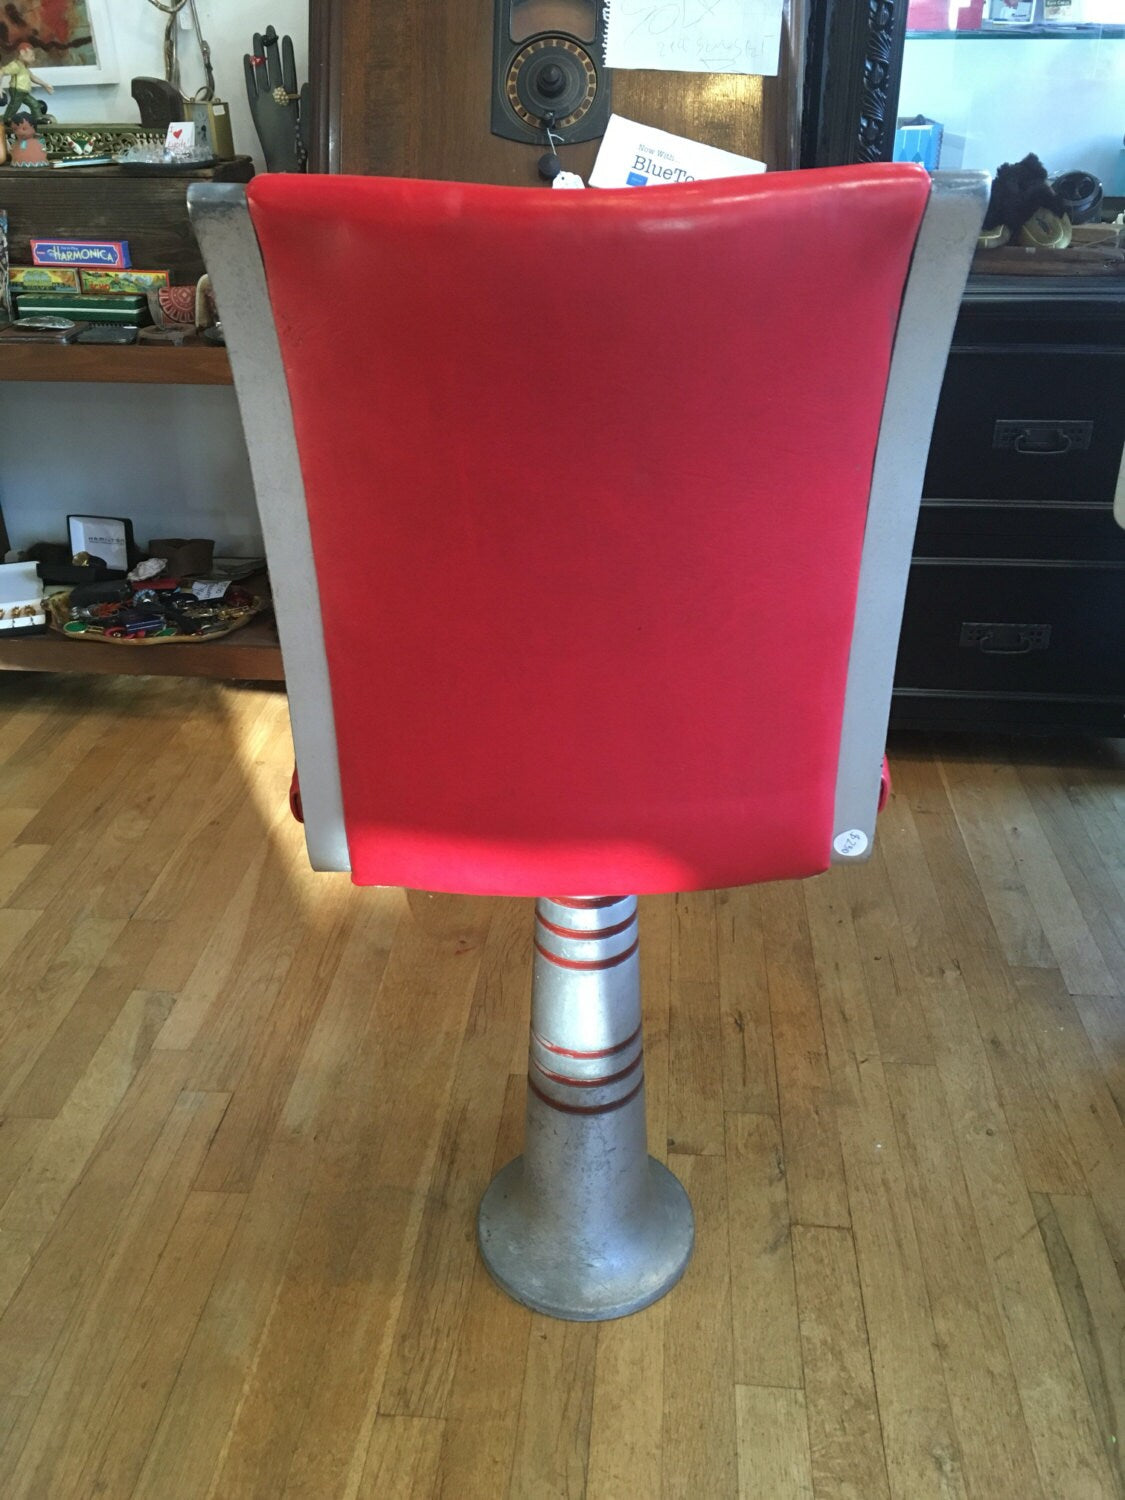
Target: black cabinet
{"x": 1015, "y": 611}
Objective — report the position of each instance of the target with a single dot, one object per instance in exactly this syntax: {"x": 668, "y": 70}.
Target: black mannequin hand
{"x": 276, "y": 105}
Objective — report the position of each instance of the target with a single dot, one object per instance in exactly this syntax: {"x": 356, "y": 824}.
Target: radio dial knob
{"x": 551, "y": 81}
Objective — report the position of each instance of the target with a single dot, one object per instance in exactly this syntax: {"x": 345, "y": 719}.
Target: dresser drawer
{"x": 1014, "y": 628}
{"x": 1008, "y": 530}
{"x": 1029, "y": 424}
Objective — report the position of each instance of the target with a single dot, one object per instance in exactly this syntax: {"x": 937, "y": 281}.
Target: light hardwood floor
{"x": 246, "y": 1113}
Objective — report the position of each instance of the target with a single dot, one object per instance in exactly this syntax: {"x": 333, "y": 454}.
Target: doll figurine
{"x": 17, "y": 77}
{"x": 24, "y": 145}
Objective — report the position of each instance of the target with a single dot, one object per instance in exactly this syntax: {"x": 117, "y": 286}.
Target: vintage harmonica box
{"x": 124, "y": 281}
{"x": 110, "y": 255}
{"x": 44, "y": 278}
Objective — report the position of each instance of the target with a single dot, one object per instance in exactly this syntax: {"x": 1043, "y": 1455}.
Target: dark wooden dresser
{"x": 1015, "y": 612}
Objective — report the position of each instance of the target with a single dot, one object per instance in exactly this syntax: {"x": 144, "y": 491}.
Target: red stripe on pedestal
{"x": 584, "y": 903}
{"x": 586, "y": 1109}
{"x": 588, "y": 1083}
{"x": 585, "y": 934}
{"x": 588, "y": 965}
{"x": 572, "y": 1052}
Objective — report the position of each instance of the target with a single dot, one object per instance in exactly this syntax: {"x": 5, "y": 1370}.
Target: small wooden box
{"x": 147, "y": 210}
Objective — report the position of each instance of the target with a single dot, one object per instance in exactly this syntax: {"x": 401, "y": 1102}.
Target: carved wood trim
{"x": 853, "y": 71}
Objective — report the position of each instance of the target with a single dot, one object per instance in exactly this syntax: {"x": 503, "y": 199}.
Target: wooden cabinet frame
{"x": 370, "y": 70}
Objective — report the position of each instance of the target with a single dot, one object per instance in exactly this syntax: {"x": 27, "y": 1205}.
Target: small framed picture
{"x": 72, "y": 39}
{"x": 1011, "y": 12}
{"x": 107, "y": 537}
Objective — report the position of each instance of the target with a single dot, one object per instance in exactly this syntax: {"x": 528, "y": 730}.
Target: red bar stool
{"x": 588, "y": 541}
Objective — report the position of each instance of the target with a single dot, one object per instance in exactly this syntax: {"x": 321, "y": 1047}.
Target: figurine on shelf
{"x": 25, "y": 146}
{"x": 16, "y": 76}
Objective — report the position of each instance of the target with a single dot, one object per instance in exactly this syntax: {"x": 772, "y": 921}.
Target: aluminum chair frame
{"x": 585, "y": 1224}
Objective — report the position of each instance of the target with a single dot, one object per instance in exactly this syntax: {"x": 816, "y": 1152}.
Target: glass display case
{"x": 992, "y": 80}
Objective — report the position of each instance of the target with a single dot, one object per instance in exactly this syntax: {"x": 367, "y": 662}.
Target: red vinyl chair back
{"x": 587, "y": 478}
{"x": 588, "y": 526}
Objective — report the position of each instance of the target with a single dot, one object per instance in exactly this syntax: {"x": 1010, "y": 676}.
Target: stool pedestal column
{"x": 585, "y": 1224}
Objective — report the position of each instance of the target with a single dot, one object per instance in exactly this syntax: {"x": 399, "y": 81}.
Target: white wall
{"x": 172, "y": 458}
{"x": 1061, "y": 97}
{"x": 229, "y": 27}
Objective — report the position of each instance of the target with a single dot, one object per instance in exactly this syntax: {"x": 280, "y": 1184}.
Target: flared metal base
{"x": 578, "y": 1272}
{"x": 585, "y": 1224}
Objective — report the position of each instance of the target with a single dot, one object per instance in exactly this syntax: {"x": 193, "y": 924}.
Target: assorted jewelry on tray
{"x": 178, "y": 592}
{"x": 167, "y": 611}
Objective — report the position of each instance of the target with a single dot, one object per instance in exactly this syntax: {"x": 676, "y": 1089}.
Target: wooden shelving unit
{"x": 141, "y": 364}
{"x": 149, "y": 211}
{"x": 251, "y": 654}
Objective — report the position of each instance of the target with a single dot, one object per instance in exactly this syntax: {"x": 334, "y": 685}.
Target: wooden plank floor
{"x": 246, "y": 1113}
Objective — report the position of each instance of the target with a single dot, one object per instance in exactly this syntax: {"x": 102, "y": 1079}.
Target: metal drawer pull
{"x": 1025, "y": 443}
{"x": 1005, "y": 640}
{"x": 1042, "y": 439}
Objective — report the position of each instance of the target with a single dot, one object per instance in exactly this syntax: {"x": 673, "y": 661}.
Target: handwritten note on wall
{"x": 695, "y": 36}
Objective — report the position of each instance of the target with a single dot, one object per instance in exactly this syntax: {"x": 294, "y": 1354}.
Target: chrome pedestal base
{"x": 571, "y": 1275}
{"x": 585, "y": 1224}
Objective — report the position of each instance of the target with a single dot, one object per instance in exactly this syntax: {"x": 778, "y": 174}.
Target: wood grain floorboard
{"x": 247, "y": 1111}
{"x": 773, "y": 1445}
{"x": 845, "y": 1436}
{"x": 486, "y": 1392}
{"x": 920, "y": 1444}
{"x": 1094, "y": 1301}
{"x": 700, "y": 1440}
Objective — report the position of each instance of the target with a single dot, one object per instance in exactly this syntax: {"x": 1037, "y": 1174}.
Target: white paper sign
{"x": 633, "y": 155}
{"x": 695, "y": 36}
{"x": 180, "y": 138}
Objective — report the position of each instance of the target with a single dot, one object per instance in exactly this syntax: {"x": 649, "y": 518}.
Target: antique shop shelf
{"x": 251, "y": 654}
{"x": 150, "y": 212}
{"x": 191, "y": 364}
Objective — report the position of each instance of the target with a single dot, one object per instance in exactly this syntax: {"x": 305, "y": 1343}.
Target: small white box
{"x": 107, "y": 537}
{"x": 21, "y": 589}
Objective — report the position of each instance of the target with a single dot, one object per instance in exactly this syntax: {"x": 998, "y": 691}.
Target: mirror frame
{"x": 853, "y": 69}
